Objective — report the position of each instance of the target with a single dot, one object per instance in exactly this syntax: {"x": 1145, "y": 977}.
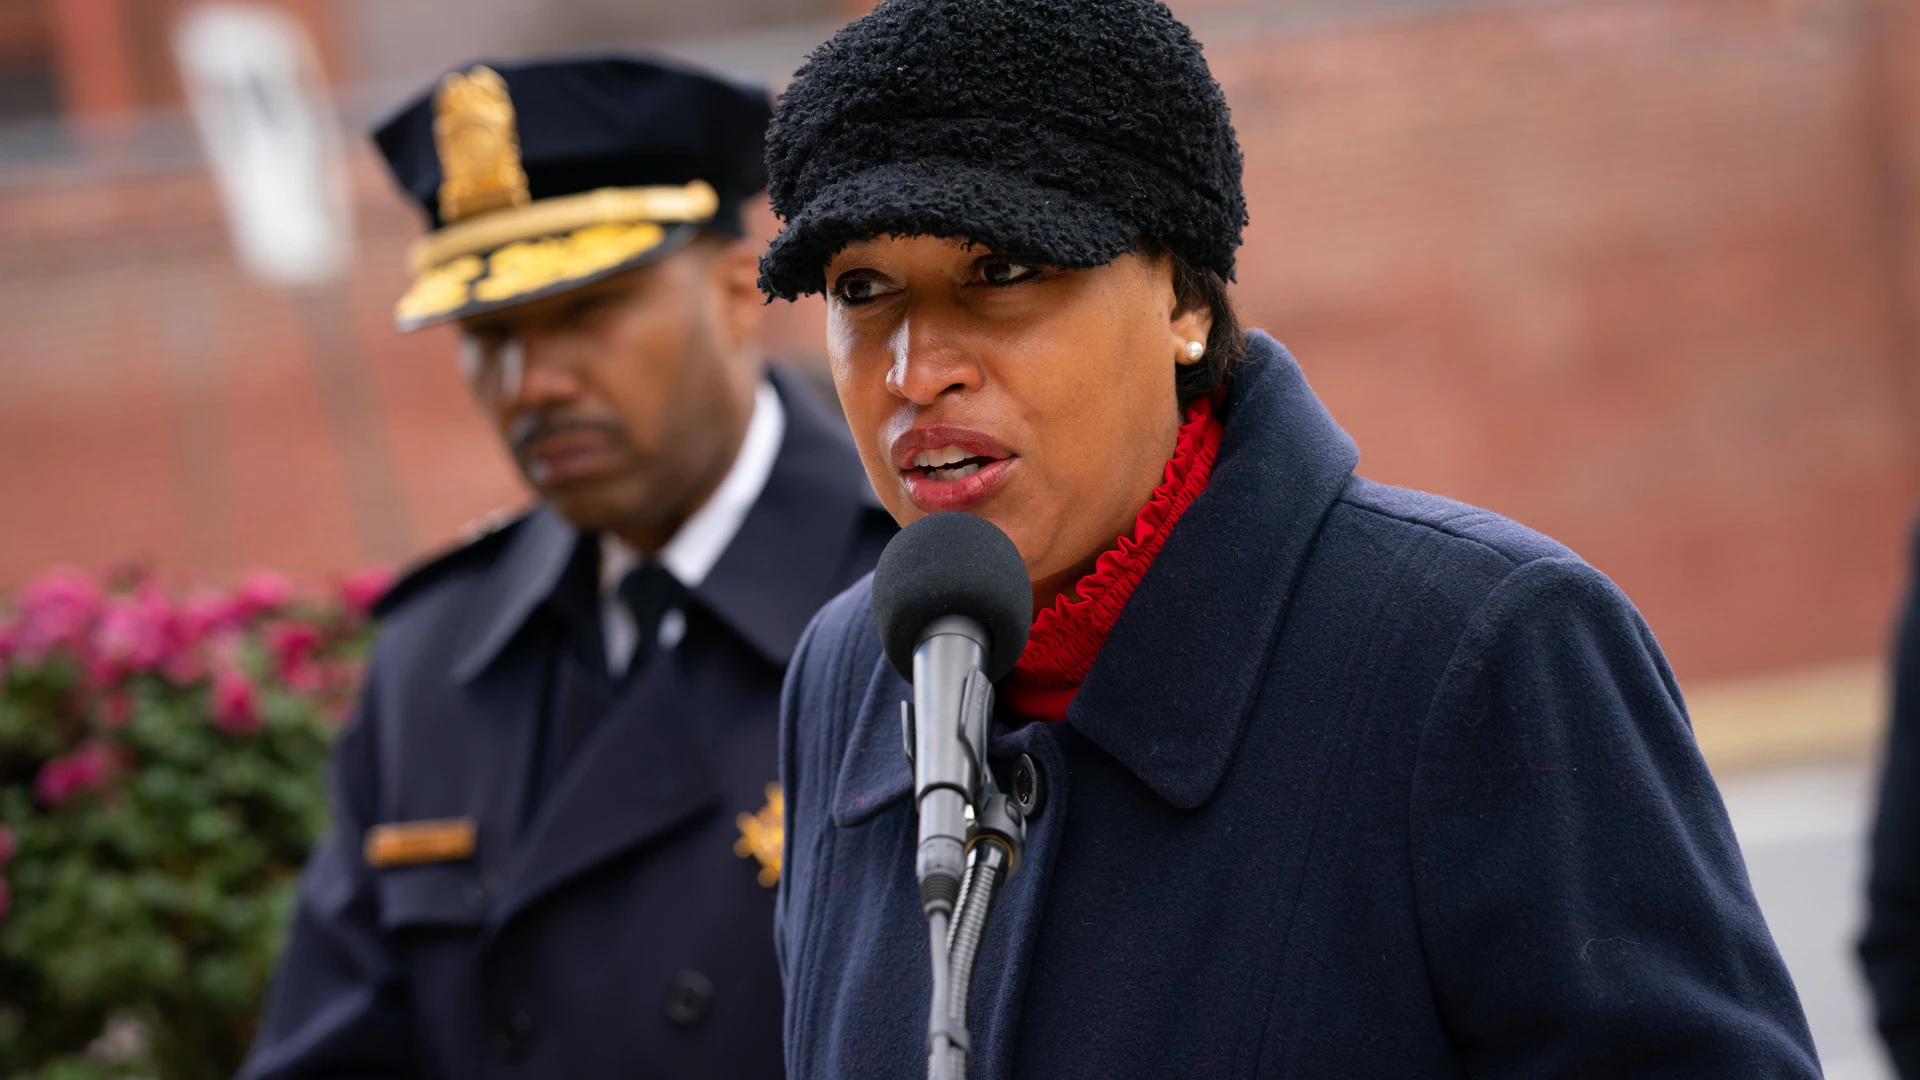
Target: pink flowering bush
{"x": 162, "y": 777}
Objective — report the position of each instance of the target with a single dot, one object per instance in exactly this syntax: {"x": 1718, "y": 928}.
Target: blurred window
{"x": 27, "y": 84}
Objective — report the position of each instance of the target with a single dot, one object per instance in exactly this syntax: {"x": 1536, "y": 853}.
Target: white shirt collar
{"x": 694, "y": 550}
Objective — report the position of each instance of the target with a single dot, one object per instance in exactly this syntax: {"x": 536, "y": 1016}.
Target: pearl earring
{"x": 1196, "y": 349}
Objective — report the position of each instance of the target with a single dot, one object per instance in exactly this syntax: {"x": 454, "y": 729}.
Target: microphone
{"x": 953, "y": 605}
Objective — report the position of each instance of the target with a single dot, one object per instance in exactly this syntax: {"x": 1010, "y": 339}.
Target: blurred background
{"x": 1641, "y": 274}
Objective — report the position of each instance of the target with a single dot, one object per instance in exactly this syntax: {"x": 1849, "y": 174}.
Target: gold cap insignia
{"x": 762, "y": 834}
{"x": 496, "y": 245}
{"x": 479, "y": 145}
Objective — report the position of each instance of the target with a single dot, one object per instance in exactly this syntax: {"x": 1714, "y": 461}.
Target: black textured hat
{"x": 541, "y": 177}
{"x": 1062, "y": 131}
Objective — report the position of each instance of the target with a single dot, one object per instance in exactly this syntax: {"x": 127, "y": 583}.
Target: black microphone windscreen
{"x": 952, "y": 564}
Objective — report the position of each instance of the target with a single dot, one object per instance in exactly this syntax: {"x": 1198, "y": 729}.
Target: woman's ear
{"x": 1188, "y": 322}
{"x": 1189, "y": 328}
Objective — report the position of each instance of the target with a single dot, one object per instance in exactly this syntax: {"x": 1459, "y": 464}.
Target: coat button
{"x": 689, "y": 999}
{"x": 513, "y": 1035}
{"x": 480, "y": 892}
{"x": 1029, "y": 789}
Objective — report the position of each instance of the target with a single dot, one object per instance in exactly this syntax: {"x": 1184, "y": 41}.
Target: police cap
{"x": 540, "y": 177}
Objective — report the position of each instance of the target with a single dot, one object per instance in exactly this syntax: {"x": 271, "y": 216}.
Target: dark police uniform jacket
{"x": 1364, "y": 783}
{"x": 1890, "y": 947}
{"x": 614, "y": 931}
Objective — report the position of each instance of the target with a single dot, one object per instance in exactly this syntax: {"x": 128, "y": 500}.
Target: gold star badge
{"x": 762, "y": 834}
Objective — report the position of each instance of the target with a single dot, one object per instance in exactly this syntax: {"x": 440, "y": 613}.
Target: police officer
{"x": 556, "y": 833}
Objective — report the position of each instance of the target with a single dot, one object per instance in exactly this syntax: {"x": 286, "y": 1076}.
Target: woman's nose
{"x": 929, "y": 362}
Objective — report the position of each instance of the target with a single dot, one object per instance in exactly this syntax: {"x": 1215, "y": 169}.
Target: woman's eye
{"x": 1005, "y": 272}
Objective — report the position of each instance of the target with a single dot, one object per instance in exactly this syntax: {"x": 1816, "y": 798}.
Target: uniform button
{"x": 689, "y": 999}
{"x": 1029, "y": 788}
{"x": 513, "y": 1035}
{"x": 479, "y": 892}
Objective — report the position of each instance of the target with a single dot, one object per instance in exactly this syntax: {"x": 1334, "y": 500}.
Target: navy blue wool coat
{"x": 1364, "y": 783}
{"x": 608, "y": 929}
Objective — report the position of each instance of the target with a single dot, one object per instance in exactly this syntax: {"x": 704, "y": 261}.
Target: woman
{"x": 1342, "y": 780}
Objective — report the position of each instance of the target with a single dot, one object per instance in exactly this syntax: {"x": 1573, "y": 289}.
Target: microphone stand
{"x": 995, "y": 856}
{"x": 971, "y": 833}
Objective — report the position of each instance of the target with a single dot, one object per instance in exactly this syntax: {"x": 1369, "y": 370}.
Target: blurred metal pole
{"x": 357, "y": 430}
{"x": 266, "y": 121}
{"x": 186, "y": 342}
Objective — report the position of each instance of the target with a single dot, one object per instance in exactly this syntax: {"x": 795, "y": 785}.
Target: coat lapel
{"x": 800, "y": 542}
{"x": 1168, "y": 695}
{"x": 636, "y": 777}
{"x": 500, "y": 693}
{"x": 503, "y": 701}
{"x": 519, "y": 583}
{"x": 874, "y": 771}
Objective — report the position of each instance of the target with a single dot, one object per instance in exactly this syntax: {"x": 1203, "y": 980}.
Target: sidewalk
{"x": 1802, "y": 830}
{"x": 1793, "y": 754}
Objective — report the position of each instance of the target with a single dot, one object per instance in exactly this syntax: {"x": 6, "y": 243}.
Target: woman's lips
{"x": 948, "y": 468}
{"x": 938, "y": 496}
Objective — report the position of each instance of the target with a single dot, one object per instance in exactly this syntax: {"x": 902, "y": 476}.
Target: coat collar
{"x": 796, "y": 548}
{"x": 524, "y": 576}
{"x": 1171, "y": 690}
{"x": 782, "y": 565}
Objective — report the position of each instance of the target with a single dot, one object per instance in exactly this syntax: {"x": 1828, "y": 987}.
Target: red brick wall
{"x": 114, "y": 56}
{"x": 1624, "y": 271}
{"x": 1638, "y": 273}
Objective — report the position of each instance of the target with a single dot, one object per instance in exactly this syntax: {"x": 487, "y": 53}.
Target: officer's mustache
{"x": 529, "y": 428}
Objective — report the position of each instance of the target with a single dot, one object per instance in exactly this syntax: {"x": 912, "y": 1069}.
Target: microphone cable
{"x": 946, "y": 1039}
{"x": 956, "y": 947}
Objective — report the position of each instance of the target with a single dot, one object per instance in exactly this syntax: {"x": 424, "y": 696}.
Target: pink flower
{"x": 235, "y": 705}
{"x": 196, "y": 619}
{"x": 89, "y": 767}
{"x": 137, "y": 633}
{"x": 292, "y": 645}
{"x": 115, "y": 708}
{"x": 103, "y": 673}
{"x": 185, "y": 668}
{"x": 56, "y": 611}
{"x": 359, "y": 592}
{"x": 201, "y": 614}
{"x": 261, "y": 591}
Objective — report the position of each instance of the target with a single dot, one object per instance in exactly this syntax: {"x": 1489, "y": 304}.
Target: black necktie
{"x": 650, "y": 591}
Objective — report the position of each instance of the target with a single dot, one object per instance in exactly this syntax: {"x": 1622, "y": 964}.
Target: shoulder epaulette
{"x": 479, "y": 538}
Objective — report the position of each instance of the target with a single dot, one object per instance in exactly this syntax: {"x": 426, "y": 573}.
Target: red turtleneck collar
{"x": 1067, "y": 636}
